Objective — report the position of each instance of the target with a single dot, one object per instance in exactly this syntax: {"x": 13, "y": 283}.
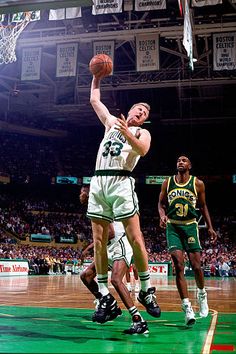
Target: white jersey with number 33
{"x": 115, "y": 153}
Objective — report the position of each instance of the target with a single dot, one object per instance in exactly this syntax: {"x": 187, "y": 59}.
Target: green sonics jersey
{"x": 182, "y": 199}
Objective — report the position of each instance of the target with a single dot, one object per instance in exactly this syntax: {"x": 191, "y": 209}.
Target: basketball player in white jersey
{"x": 119, "y": 259}
{"x": 112, "y": 196}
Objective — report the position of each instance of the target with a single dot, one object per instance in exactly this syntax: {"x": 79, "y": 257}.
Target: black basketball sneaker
{"x": 138, "y": 326}
{"x": 148, "y": 299}
{"x": 107, "y": 309}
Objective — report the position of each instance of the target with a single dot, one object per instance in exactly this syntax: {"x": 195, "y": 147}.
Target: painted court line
{"x": 6, "y": 315}
{"x": 210, "y": 334}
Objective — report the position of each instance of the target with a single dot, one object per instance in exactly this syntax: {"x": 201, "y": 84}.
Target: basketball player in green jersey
{"x": 177, "y": 209}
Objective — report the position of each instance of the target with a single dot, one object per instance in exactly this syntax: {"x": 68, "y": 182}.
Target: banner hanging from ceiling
{"x": 66, "y": 59}
{"x": 104, "y": 47}
{"x": 19, "y": 16}
{"x": 65, "y": 13}
{"x": 200, "y": 3}
{"x": 101, "y": 7}
{"x": 148, "y": 5}
{"x": 128, "y": 5}
{"x": 31, "y": 63}
{"x": 188, "y": 35}
{"x": 224, "y": 51}
{"x": 147, "y": 52}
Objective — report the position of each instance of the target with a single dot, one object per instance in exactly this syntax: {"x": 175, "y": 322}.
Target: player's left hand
{"x": 122, "y": 125}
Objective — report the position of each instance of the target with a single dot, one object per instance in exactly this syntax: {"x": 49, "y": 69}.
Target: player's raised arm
{"x": 101, "y": 110}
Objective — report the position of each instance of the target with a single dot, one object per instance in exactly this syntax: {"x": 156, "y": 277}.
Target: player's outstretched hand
{"x": 122, "y": 125}
{"x": 213, "y": 235}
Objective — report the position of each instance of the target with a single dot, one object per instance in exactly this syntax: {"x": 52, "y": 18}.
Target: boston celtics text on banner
{"x": 147, "y": 52}
{"x": 67, "y": 59}
{"x": 224, "y": 51}
{"x": 31, "y": 62}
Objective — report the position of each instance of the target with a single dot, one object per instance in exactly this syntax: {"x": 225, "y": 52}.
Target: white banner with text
{"x": 200, "y": 3}
{"x": 147, "y": 52}
{"x": 13, "y": 267}
{"x": 67, "y": 59}
{"x": 31, "y": 63}
{"x": 102, "y": 7}
{"x": 148, "y": 5}
{"x": 224, "y": 51}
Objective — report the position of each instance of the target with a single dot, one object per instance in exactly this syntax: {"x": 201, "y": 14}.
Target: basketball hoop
{"x": 8, "y": 37}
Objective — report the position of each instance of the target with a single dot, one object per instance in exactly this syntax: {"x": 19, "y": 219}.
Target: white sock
{"x": 145, "y": 280}
{"x": 202, "y": 291}
{"x": 102, "y": 284}
{"x": 186, "y": 301}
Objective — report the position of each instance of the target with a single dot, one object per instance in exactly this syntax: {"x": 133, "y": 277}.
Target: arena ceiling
{"x": 177, "y": 94}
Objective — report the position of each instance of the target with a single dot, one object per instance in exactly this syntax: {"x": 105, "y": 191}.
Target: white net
{"x": 8, "y": 38}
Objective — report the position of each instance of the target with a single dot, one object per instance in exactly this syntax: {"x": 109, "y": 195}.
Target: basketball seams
{"x": 101, "y": 65}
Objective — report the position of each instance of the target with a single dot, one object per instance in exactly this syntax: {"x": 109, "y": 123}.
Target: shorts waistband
{"x": 112, "y": 173}
{"x": 182, "y": 222}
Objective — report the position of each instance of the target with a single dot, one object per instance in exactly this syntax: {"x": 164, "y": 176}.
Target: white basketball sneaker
{"x": 189, "y": 314}
{"x": 202, "y": 301}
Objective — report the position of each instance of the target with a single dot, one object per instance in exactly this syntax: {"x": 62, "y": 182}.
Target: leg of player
{"x": 136, "y": 279}
{"x": 178, "y": 259}
{"x": 87, "y": 277}
{"x": 128, "y": 279}
{"x": 138, "y": 326}
{"x": 107, "y": 306}
{"x": 195, "y": 260}
{"x": 147, "y": 293}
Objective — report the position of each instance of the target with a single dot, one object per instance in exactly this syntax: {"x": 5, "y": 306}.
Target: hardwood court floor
{"x": 52, "y": 314}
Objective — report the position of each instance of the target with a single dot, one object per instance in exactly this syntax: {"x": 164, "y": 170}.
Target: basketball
{"x": 101, "y": 65}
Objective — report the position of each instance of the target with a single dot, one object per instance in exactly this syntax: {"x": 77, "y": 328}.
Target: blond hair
{"x": 146, "y": 105}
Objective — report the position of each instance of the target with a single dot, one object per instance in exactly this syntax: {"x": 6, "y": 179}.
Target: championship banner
{"x": 199, "y": 3}
{"x": 66, "y": 59}
{"x": 224, "y": 51}
{"x": 101, "y": 7}
{"x": 31, "y": 63}
{"x": 147, "y": 52}
{"x": 148, "y": 5}
{"x": 65, "y": 13}
{"x": 104, "y": 47}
